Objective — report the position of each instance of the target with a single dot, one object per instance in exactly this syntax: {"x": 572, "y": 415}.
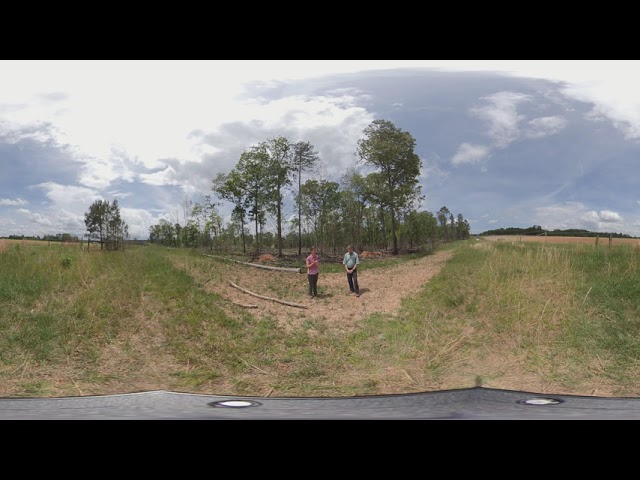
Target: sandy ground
{"x": 381, "y": 290}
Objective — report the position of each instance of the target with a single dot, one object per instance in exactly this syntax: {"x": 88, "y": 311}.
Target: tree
{"x": 304, "y": 158}
{"x": 104, "y": 223}
{"x": 232, "y": 188}
{"x": 320, "y": 200}
{"x": 391, "y": 151}
{"x": 442, "y": 216}
{"x": 204, "y": 221}
{"x": 353, "y": 202}
{"x": 187, "y": 208}
{"x": 278, "y": 154}
{"x": 253, "y": 170}
{"x": 94, "y": 220}
{"x": 462, "y": 228}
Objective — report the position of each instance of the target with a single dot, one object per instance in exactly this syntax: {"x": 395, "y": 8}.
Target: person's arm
{"x": 355, "y": 265}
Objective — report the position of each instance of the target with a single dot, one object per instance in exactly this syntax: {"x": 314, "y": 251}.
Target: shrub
{"x": 66, "y": 260}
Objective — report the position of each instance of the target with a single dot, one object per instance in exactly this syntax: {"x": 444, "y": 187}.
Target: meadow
{"x": 595, "y": 241}
{"x": 542, "y": 317}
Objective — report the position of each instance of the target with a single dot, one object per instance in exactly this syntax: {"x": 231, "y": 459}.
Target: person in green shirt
{"x": 351, "y": 262}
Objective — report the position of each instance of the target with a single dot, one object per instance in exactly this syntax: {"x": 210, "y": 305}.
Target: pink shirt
{"x": 312, "y": 270}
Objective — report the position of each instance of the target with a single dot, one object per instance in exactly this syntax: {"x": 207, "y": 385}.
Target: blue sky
{"x": 505, "y": 143}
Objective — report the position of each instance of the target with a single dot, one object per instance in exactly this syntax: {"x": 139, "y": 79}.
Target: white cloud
{"x": 608, "y": 216}
{"x": 469, "y": 153}
{"x": 118, "y": 194}
{"x": 18, "y": 202}
{"x": 501, "y": 114}
{"x": 577, "y": 215}
{"x": 162, "y": 177}
{"x": 332, "y": 123}
{"x": 69, "y": 197}
{"x": 545, "y": 126}
{"x": 101, "y": 172}
{"x": 432, "y": 171}
{"x": 139, "y": 221}
{"x": 35, "y": 217}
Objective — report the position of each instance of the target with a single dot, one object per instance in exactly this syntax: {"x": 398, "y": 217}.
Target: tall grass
{"x": 109, "y": 322}
{"x": 509, "y": 315}
{"x": 561, "y": 317}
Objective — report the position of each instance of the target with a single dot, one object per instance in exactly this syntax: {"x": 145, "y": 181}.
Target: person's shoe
{"x": 357, "y": 294}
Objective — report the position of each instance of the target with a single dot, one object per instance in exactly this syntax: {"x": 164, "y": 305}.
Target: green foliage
{"x": 369, "y": 211}
{"x": 105, "y": 225}
{"x": 66, "y": 260}
{"x": 280, "y": 169}
{"x": 319, "y": 205}
{"x": 394, "y": 185}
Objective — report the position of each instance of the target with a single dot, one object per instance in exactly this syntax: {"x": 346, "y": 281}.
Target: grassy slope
{"x": 126, "y": 321}
{"x": 559, "y": 318}
{"x": 502, "y": 314}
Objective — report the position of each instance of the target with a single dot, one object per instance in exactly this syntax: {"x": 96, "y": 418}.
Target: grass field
{"x": 601, "y": 242}
{"x": 540, "y": 317}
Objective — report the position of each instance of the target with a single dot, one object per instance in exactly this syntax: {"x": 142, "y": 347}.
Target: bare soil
{"x": 381, "y": 291}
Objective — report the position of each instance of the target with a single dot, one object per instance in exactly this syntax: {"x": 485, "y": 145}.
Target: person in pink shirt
{"x": 312, "y": 272}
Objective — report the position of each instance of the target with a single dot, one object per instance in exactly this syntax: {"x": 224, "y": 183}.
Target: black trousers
{"x": 313, "y": 284}
{"x": 353, "y": 281}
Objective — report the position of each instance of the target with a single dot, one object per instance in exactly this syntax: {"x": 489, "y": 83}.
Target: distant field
{"x": 34, "y": 242}
{"x": 553, "y": 239}
{"x": 22, "y": 242}
{"x": 5, "y": 243}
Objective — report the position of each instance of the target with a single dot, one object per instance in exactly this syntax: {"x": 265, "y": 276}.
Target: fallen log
{"x": 257, "y": 265}
{"x": 283, "y": 302}
{"x": 244, "y": 305}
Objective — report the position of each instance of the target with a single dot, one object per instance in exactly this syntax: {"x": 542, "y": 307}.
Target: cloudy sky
{"x": 506, "y": 143}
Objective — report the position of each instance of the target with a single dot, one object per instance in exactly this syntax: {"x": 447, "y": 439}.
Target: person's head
{"x": 313, "y": 251}
{"x": 350, "y": 248}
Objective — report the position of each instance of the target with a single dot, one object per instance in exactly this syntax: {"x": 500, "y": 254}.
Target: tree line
{"x": 376, "y": 210}
{"x": 58, "y": 237}
{"x": 568, "y": 232}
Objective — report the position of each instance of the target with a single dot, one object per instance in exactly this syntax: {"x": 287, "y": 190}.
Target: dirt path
{"x": 382, "y": 290}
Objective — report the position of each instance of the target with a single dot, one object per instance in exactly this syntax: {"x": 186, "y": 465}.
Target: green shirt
{"x": 350, "y": 259}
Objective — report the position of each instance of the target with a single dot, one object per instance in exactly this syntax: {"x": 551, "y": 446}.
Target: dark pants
{"x": 313, "y": 284}
{"x": 353, "y": 281}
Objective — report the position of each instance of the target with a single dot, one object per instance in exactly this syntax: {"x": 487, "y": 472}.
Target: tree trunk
{"x": 244, "y": 244}
{"x": 257, "y": 235}
{"x": 291, "y": 304}
{"x": 384, "y": 229}
{"x": 359, "y": 227}
{"x": 299, "y": 209}
{"x": 279, "y": 220}
{"x": 393, "y": 231}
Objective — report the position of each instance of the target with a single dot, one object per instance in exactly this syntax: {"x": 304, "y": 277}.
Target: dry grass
{"x": 547, "y": 318}
{"x": 152, "y": 318}
{"x": 382, "y": 290}
{"x": 602, "y": 241}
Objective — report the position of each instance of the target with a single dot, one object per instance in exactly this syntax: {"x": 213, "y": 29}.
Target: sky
{"x": 505, "y": 143}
